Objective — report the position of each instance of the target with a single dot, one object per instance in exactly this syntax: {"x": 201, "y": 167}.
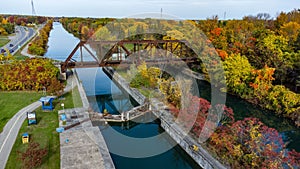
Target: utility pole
{"x": 161, "y": 11}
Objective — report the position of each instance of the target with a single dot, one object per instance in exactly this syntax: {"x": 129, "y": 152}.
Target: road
{"x": 11, "y": 130}
{"x": 23, "y": 34}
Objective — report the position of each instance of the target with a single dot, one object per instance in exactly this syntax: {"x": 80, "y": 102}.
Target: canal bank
{"x": 201, "y": 157}
{"x": 81, "y": 144}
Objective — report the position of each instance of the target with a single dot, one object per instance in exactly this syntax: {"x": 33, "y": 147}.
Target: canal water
{"x": 61, "y": 43}
{"x": 103, "y": 93}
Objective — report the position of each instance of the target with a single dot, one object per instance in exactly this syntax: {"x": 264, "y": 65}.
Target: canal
{"x": 106, "y": 94}
{"x": 103, "y": 93}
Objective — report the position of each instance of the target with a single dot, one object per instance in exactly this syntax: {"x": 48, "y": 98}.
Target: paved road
{"x": 23, "y": 35}
{"x": 25, "y": 49}
{"x": 11, "y": 130}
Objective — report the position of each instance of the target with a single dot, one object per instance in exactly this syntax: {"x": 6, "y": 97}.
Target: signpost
{"x": 31, "y": 116}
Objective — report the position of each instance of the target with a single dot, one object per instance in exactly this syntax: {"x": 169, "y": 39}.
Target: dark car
{"x": 11, "y": 51}
{"x": 11, "y": 45}
{"x": 3, "y": 51}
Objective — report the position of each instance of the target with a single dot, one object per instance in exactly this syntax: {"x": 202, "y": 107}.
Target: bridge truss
{"x": 126, "y": 52}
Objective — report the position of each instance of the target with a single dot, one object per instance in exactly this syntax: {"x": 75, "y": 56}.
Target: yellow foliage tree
{"x": 4, "y": 21}
{"x": 142, "y": 69}
{"x": 290, "y": 30}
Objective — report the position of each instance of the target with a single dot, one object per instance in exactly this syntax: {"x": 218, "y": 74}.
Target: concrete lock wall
{"x": 125, "y": 85}
{"x": 201, "y": 157}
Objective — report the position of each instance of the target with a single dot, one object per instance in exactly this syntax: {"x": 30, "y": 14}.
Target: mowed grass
{"x": 12, "y": 102}
{"x": 3, "y": 40}
{"x": 44, "y": 133}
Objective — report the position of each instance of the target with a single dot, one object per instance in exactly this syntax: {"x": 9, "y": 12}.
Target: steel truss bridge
{"x": 126, "y": 52}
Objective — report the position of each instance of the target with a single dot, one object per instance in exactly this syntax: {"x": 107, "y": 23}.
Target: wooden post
{"x": 297, "y": 83}
{"x": 122, "y": 116}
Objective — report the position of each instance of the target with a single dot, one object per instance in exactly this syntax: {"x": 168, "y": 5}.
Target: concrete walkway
{"x": 85, "y": 146}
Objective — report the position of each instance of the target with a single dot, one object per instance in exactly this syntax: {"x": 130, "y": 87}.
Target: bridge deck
{"x": 89, "y": 64}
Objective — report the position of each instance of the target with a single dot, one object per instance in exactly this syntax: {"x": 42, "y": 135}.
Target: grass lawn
{"x": 19, "y": 56}
{"x": 12, "y": 102}
{"x": 44, "y": 133}
{"x": 3, "y": 40}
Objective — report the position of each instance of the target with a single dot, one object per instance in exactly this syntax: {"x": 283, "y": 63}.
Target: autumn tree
{"x": 251, "y": 144}
{"x": 238, "y": 75}
{"x": 39, "y": 45}
{"x": 30, "y": 74}
{"x": 262, "y": 82}
{"x": 145, "y": 76}
{"x": 6, "y": 59}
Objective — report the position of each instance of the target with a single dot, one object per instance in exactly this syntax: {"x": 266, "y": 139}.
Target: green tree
{"x": 238, "y": 75}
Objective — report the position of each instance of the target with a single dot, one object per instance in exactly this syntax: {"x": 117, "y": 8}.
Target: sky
{"x": 182, "y": 9}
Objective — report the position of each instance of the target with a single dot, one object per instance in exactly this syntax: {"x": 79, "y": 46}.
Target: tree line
{"x": 24, "y": 19}
{"x": 247, "y": 142}
{"x": 30, "y": 74}
{"x": 260, "y": 56}
{"x": 8, "y": 22}
{"x": 39, "y": 45}
{"x": 84, "y": 28}
{"x": 261, "y": 59}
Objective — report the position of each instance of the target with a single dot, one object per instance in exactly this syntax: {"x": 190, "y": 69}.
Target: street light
{"x": 63, "y": 106}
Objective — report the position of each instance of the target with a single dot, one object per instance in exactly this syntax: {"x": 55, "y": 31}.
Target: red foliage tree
{"x": 202, "y": 110}
{"x": 251, "y": 144}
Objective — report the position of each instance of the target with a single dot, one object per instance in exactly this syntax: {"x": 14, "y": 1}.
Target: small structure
{"x": 195, "y": 148}
{"x": 31, "y": 117}
{"x": 63, "y": 118}
{"x": 47, "y": 103}
{"x": 25, "y": 138}
{"x": 60, "y": 129}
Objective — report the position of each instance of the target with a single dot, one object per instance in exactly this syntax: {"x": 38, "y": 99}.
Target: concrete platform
{"x": 80, "y": 151}
{"x": 82, "y": 145}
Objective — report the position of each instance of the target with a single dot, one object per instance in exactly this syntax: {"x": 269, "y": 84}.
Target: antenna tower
{"x": 32, "y": 8}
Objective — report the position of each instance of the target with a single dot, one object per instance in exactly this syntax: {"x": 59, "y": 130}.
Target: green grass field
{"x": 12, "y": 102}
{"x": 44, "y": 133}
{"x": 3, "y": 40}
